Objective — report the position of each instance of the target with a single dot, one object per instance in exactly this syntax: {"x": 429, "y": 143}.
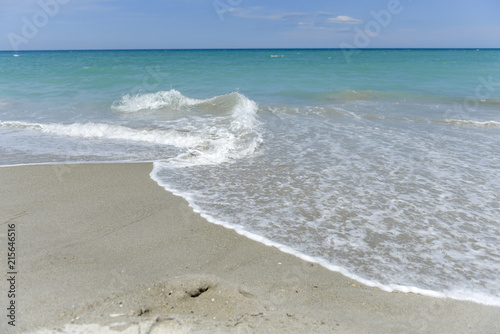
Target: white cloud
{"x": 263, "y": 13}
{"x": 319, "y": 20}
{"x": 342, "y": 19}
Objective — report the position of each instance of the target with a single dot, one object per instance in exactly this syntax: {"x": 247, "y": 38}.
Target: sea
{"x": 380, "y": 164}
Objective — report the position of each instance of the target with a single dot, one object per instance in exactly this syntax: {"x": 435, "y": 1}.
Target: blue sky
{"x": 172, "y": 24}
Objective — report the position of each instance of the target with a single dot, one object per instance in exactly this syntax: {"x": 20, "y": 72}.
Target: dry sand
{"x": 102, "y": 248}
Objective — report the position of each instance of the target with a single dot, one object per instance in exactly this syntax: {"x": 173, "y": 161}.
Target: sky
{"x": 207, "y": 24}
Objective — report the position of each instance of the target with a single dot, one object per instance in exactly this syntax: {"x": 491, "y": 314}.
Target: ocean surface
{"x": 384, "y": 165}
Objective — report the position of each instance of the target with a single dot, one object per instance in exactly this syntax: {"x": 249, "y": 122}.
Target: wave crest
{"x": 151, "y": 101}
{"x": 109, "y": 131}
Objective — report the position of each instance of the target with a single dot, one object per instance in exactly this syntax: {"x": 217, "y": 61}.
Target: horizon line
{"x": 236, "y": 49}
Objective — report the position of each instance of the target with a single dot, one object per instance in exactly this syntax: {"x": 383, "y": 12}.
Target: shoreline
{"x": 102, "y": 244}
{"x": 319, "y": 261}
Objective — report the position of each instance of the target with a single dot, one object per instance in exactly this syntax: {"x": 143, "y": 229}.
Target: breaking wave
{"x": 211, "y": 131}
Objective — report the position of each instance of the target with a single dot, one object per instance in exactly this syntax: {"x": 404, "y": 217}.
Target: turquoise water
{"x": 385, "y": 167}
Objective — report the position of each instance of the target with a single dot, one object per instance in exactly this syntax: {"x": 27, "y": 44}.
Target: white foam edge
{"x": 90, "y": 162}
{"x": 471, "y": 123}
{"x": 453, "y": 294}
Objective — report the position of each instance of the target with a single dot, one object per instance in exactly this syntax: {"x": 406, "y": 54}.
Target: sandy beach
{"x": 102, "y": 248}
